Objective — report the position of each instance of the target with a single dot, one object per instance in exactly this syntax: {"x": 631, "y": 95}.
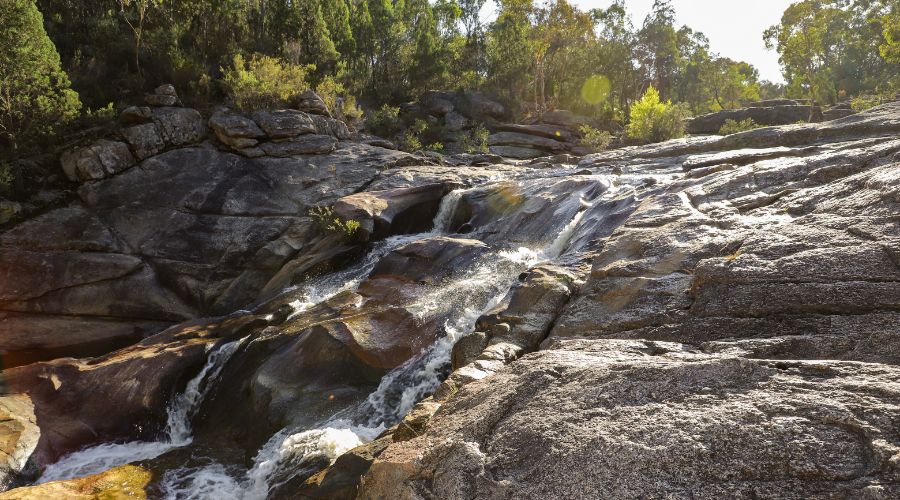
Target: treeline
{"x": 540, "y": 55}
{"x": 534, "y": 56}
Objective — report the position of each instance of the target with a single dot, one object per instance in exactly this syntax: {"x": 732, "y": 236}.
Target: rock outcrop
{"x": 771, "y": 112}
{"x": 707, "y": 317}
{"x": 641, "y": 419}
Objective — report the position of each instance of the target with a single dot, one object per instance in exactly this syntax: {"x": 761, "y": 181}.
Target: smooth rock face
{"x": 19, "y": 434}
{"x": 775, "y": 270}
{"x": 699, "y": 425}
{"x": 785, "y": 114}
{"x": 127, "y": 481}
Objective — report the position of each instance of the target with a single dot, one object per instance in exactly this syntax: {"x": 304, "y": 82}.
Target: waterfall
{"x": 177, "y": 432}
{"x": 297, "y": 453}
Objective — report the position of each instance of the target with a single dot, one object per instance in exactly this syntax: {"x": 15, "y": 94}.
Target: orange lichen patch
{"x": 127, "y": 481}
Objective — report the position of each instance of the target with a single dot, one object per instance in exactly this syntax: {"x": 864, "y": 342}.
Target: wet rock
{"x": 341, "y": 479}
{"x": 395, "y": 211}
{"x": 332, "y": 355}
{"x": 72, "y": 397}
{"x": 19, "y": 434}
{"x": 127, "y": 481}
{"x": 527, "y": 431}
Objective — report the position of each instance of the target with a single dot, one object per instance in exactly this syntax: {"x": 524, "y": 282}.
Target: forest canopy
{"x": 533, "y": 56}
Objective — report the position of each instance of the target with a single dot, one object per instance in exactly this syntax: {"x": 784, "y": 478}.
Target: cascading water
{"x": 177, "y": 432}
{"x": 298, "y": 453}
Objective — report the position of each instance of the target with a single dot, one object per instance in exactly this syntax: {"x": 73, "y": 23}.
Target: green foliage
{"x": 384, "y": 122}
{"x": 409, "y": 141}
{"x": 596, "y": 140}
{"x": 734, "y": 126}
{"x": 864, "y": 102}
{"x": 890, "y": 49}
{"x": 654, "y": 121}
{"x": 435, "y": 146}
{"x": 35, "y": 97}
{"x": 831, "y": 46}
{"x": 264, "y": 82}
{"x": 6, "y": 177}
{"x": 474, "y": 140}
{"x": 329, "y": 223}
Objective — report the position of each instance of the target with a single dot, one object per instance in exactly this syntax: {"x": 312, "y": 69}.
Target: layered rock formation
{"x": 704, "y": 318}
{"x": 769, "y": 112}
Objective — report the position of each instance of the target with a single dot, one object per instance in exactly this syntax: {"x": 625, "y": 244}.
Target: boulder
{"x": 701, "y": 425}
{"x": 234, "y": 130}
{"x": 455, "y": 122}
{"x": 145, "y": 140}
{"x": 479, "y": 106}
{"x": 310, "y": 102}
{"x": 395, "y": 211}
{"x": 284, "y": 124}
{"x": 437, "y": 103}
{"x": 179, "y": 126}
{"x": 135, "y": 115}
{"x": 9, "y": 210}
{"x": 518, "y": 139}
{"x": 100, "y": 159}
{"x": 163, "y": 95}
{"x": 547, "y": 130}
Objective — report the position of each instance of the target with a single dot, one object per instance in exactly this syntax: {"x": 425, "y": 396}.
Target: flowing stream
{"x": 177, "y": 432}
{"x": 293, "y": 453}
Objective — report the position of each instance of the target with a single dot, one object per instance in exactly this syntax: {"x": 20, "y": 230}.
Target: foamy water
{"x": 297, "y": 453}
{"x": 177, "y": 432}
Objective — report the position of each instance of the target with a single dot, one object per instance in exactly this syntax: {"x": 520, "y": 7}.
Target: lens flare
{"x": 595, "y": 89}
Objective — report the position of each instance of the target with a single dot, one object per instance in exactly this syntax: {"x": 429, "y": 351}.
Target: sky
{"x": 734, "y": 27}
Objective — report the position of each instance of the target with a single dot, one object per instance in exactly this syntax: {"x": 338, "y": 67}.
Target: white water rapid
{"x": 177, "y": 432}
{"x": 298, "y": 453}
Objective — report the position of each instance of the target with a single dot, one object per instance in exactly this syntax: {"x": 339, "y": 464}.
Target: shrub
{"x": 475, "y": 140}
{"x": 384, "y": 122}
{"x": 329, "y": 223}
{"x": 409, "y": 142}
{"x": 6, "y": 177}
{"x": 35, "y": 97}
{"x": 264, "y": 82}
{"x": 864, "y": 102}
{"x": 654, "y": 121}
{"x": 597, "y": 140}
{"x": 435, "y": 146}
{"x": 734, "y": 126}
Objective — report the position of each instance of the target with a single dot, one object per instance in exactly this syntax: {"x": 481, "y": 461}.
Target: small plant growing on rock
{"x": 734, "y": 126}
{"x": 596, "y": 140}
{"x": 330, "y": 223}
